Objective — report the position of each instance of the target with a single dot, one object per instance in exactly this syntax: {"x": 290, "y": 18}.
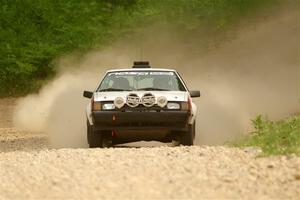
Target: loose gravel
{"x": 30, "y": 169}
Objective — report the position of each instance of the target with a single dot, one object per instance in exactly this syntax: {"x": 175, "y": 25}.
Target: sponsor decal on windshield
{"x": 141, "y": 73}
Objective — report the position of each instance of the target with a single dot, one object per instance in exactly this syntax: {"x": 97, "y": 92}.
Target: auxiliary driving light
{"x": 148, "y": 100}
{"x": 119, "y": 102}
{"x": 162, "y": 101}
{"x": 132, "y": 100}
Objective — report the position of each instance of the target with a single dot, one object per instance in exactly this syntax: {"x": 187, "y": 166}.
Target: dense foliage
{"x": 282, "y": 137}
{"x": 34, "y": 32}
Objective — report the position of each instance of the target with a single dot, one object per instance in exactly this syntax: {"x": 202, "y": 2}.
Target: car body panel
{"x": 147, "y": 120}
{"x": 170, "y": 95}
{"x": 169, "y": 119}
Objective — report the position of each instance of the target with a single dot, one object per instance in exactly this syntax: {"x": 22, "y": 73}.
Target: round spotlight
{"x": 119, "y": 102}
{"x": 132, "y": 100}
{"x": 148, "y": 100}
{"x": 162, "y": 101}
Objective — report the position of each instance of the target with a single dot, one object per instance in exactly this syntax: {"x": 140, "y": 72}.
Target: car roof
{"x": 140, "y": 69}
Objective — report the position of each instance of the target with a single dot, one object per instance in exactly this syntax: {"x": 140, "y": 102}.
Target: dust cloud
{"x": 256, "y": 73}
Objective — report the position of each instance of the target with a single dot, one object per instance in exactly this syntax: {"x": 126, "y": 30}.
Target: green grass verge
{"x": 274, "y": 138}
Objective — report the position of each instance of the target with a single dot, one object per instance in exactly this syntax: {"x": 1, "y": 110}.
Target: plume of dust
{"x": 257, "y": 73}
{"x": 59, "y": 108}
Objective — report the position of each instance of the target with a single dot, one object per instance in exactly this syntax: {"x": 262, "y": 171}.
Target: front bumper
{"x": 136, "y": 120}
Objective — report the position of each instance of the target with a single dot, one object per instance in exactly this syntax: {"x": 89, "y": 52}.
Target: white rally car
{"x": 141, "y": 103}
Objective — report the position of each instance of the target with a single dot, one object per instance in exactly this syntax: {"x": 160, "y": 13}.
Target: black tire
{"x": 187, "y": 137}
{"x": 94, "y": 138}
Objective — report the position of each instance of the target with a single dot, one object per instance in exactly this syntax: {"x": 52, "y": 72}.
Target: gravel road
{"x": 30, "y": 169}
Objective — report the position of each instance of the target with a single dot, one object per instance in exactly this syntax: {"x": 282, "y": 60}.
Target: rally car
{"x": 140, "y": 103}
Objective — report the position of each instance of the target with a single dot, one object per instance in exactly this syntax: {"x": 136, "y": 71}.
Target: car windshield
{"x": 141, "y": 80}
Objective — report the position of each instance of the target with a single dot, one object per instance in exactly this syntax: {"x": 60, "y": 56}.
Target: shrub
{"x": 282, "y": 137}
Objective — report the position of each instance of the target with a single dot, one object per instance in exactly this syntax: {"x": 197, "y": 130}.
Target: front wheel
{"x": 98, "y": 139}
{"x": 187, "y": 137}
{"x": 94, "y": 138}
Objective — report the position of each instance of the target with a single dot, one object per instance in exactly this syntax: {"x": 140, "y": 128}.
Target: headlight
{"x": 173, "y": 106}
{"x": 108, "y": 106}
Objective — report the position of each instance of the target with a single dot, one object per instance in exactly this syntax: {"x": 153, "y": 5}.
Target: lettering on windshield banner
{"x": 141, "y": 73}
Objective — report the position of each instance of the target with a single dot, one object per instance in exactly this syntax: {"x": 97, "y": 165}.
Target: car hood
{"x": 170, "y": 95}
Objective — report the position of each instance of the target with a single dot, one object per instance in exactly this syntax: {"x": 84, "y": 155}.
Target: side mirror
{"x": 195, "y": 93}
{"x": 88, "y": 94}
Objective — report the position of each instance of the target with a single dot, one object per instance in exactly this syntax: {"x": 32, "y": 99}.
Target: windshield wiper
{"x": 152, "y": 88}
{"x": 113, "y": 89}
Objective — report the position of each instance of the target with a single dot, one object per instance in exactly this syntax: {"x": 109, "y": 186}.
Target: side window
{"x": 180, "y": 83}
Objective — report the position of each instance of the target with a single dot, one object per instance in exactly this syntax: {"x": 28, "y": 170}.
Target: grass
{"x": 274, "y": 138}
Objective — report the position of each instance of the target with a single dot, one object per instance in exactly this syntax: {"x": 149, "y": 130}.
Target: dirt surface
{"x": 30, "y": 169}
